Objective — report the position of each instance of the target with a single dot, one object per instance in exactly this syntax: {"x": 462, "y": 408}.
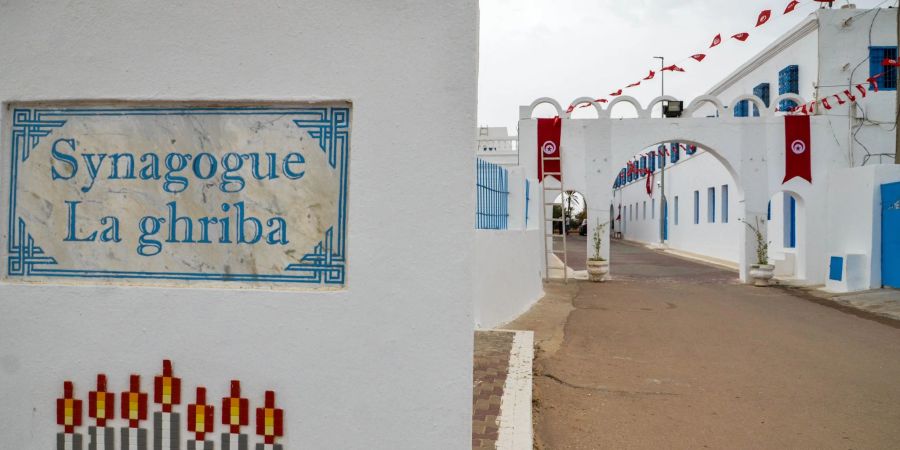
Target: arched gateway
{"x": 751, "y": 149}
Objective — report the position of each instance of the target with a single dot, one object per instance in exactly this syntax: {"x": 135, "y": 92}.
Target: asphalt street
{"x": 676, "y": 354}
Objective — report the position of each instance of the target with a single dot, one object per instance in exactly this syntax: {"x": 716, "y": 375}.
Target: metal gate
{"x": 890, "y": 235}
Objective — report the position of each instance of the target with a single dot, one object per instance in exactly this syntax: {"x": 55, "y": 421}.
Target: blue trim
{"x": 792, "y": 237}
{"x": 324, "y": 265}
{"x": 527, "y": 200}
{"x": 836, "y": 268}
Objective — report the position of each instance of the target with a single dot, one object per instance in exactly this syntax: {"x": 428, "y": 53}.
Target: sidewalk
{"x": 501, "y": 390}
{"x": 879, "y": 304}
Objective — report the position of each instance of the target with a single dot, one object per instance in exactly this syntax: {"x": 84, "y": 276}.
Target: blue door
{"x": 665, "y": 215}
{"x": 890, "y": 235}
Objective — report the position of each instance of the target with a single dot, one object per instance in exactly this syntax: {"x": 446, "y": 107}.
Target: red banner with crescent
{"x": 549, "y": 132}
{"x": 797, "y": 159}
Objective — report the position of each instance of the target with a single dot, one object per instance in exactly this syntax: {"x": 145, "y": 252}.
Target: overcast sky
{"x": 567, "y": 49}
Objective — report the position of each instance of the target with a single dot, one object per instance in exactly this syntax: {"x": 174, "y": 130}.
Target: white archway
{"x": 594, "y": 150}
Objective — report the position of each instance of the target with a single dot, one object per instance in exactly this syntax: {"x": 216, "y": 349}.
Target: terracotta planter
{"x": 761, "y": 274}
{"x": 597, "y": 270}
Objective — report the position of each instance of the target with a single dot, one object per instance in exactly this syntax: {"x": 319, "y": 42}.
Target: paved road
{"x": 576, "y": 246}
{"x": 674, "y": 354}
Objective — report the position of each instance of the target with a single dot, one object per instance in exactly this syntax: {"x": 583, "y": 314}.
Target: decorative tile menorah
{"x": 166, "y": 422}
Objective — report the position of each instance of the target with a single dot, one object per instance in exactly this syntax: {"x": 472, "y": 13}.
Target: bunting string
{"x": 763, "y": 18}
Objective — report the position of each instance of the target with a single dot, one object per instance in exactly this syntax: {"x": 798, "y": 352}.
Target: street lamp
{"x": 662, "y": 167}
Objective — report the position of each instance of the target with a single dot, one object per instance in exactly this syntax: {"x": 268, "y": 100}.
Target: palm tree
{"x": 571, "y": 200}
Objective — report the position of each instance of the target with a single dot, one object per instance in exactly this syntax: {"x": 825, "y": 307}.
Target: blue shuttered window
{"x": 675, "y": 154}
{"x": 788, "y": 83}
{"x": 492, "y": 186}
{"x": 696, "y": 207}
{"x": 676, "y": 210}
{"x": 651, "y": 162}
{"x": 888, "y": 81}
{"x": 724, "y": 203}
{"x": 742, "y": 108}
{"x": 711, "y": 205}
{"x": 761, "y": 91}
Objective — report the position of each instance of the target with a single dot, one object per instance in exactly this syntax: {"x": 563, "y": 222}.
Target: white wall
{"x": 508, "y": 274}
{"x": 384, "y": 363}
{"x": 509, "y": 263}
{"x": 854, "y": 214}
{"x": 692, "y": 173}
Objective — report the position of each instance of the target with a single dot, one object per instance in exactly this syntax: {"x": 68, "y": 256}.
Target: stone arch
{"x": 642, "y": 113}
{"x": 773, "y": 106}
{"x": 800, "y": 249}
{"x": 705, "y": 99}
{"x": 545, "y": 100}
{"x": 719, "y": 156}
{"x": 657, "y": 100}
{"x": 763, "y": 109}
{"x": 583, "y": 100}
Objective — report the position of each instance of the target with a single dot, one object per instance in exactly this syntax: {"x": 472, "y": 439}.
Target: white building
{"x": 495, "y": 145}
{"x": 828, "y": 52}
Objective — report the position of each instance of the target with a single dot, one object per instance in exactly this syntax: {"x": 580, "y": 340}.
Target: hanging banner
{"x": 549, "y": 132}
{"x": 797, "y": 148}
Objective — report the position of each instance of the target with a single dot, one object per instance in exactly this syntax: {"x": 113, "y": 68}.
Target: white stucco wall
{"x": 384, "y": 363}
{"x": 508, "y": 274}
{"x": 854, "y": 214}
{"x": 692, "y": 173}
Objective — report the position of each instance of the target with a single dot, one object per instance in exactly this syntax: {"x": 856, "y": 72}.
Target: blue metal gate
{"x": 890, "y": 235}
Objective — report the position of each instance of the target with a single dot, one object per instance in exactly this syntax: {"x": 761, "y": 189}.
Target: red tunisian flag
{"x": 763, "y": 17}
{"x": 797, "y": 160}
{"x": 549, "y": 132}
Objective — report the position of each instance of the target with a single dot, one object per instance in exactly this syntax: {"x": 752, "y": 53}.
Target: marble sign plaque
{"x": 227, "y": 195}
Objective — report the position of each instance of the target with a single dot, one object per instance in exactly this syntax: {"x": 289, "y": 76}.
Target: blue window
{"x": 675, "y": 154}
{"x": 653, "y": 208}
{"x": 769, "y": 211}
{"x": 711, "y": 205}
{"x": 696, "y": 207}
{"x": 788, "y": 83}
{"x": 888, "y": 81}
{"x": 790, "y": 241}
{"x": 676, "y": 210}
{"x": 761, "y": 91}
{"x": 724, "y": 203}
{"x": 643, "y": 165}
{"x": 691, "y": 149}
{"x": 742, "y": 108}
{"x": 645, "y": 209}
{"x": 652, "y": 162}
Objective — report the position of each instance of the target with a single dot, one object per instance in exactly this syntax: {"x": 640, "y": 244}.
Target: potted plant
{"x": 762, "y": 271}
{"x": 598, "y": 267}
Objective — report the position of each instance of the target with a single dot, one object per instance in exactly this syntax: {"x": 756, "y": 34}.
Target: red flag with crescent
{"x": 763, "y": 17}
{"x": 791, "y": 6}
{"x": 634, "y": 84}
{"x": 617, "y": 93}
{"x": 888, "y": 62}
{"x": 741, "y": 36}
{"x": 549, "y": 133}
{"x": 797, "y": 160}
{"x": 673, "y": 68}
{"x": 699, "y": 57}
{"x": 716, "y": 41}
{"x": 650, "y": 77}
